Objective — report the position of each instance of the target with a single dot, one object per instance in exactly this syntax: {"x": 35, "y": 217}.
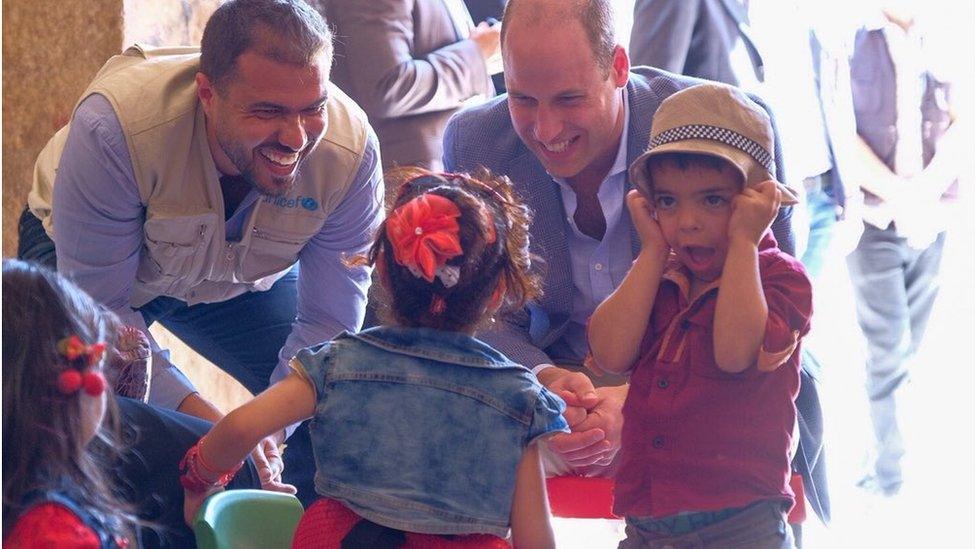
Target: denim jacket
{"x": 422, "y": 430}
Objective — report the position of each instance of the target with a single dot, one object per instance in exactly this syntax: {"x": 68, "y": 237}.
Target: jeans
{"x": 242, "y": 335}
{"x": 762, "y": 525}
{"x": 33, "y": 243}
{"x": 154, "y": 441}
{"x": 823, "y": 216}
{"x": 895, "y": 287}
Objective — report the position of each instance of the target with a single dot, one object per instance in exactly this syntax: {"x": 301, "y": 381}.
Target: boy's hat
{"x": 717, "y": 120}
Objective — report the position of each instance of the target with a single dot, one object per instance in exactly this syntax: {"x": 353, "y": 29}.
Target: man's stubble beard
{"x": 238, "y": 158}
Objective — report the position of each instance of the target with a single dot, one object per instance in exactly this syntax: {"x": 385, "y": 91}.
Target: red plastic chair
{"x": 798, "y": 513}
{"x": 581, "y": 497}
{"x": 591, "y": 497}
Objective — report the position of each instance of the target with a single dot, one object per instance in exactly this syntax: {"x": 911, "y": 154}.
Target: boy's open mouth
{"x": 700, "y": 256}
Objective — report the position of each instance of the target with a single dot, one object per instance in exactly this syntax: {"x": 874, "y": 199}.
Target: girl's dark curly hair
{"x": 482, "y": 198}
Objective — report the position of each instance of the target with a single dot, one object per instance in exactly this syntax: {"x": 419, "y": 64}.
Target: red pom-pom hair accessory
{"x": 73, "y": 379}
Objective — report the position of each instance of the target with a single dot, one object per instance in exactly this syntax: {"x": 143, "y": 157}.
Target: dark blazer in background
{"x": 480, "y": 11}
{"x": 406, "y": 65}
{"x": 692, "y": 37}
{"x": 483, "y": 9}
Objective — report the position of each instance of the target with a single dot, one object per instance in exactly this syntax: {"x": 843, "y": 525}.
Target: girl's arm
{"x": 531, "y": 528}
{"x": 289, "y": 401}
{"x": 230, "y": 440}
{"x": 617, "y": 326}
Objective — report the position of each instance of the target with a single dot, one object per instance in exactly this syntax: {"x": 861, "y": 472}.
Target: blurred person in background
{"x": 909, "y": 149}
{"x": 490, "y": 11}
{"x": 411, "y": 64}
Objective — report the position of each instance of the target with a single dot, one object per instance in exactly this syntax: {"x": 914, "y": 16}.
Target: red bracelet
{"x": 190, "y": 471}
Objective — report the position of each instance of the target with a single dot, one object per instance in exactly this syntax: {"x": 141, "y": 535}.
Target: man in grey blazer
{"x": 410, "y": 64}
{"x": 574, "y": 119}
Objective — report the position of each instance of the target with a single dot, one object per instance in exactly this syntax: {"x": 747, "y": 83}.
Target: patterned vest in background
{"x": 875, "y": 107}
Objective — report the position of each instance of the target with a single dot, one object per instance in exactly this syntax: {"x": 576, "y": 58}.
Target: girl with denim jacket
{"x": 423, "y": 435}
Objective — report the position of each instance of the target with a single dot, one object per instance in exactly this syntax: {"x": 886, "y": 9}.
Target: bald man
{"x": 573, "y": 120}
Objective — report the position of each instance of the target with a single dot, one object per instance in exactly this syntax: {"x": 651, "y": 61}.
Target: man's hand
{"x": 753, "y": 210}
{"x": 596, "y": 439}
{"x": 918, "y": 217}
{"x": 488, "y": 39}
{"x": 642, "y": 216}
{"x": 267, "y": 459}
{"x": 574, "y": 388}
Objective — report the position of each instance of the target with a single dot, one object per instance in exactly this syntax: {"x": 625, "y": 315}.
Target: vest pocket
{"x": 166, "y": 263}
{"x": 271, "y": 251}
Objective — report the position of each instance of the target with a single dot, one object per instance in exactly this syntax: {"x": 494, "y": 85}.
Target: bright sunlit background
{"x": 937, "y": 504}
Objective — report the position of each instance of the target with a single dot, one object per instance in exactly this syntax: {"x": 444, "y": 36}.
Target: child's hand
{"x": 753, "y": 211}
{"x": 642, "y": 216}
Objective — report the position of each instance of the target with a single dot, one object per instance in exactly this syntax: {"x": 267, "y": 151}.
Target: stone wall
{"x": 51, "y": 50}
{"x": 169, "y": 23}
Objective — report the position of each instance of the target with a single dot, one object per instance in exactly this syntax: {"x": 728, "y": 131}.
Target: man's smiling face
{"x": 266, "y": 119}
{"x": 564, "y": 106}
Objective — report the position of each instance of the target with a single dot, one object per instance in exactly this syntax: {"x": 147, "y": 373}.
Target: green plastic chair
{"x": 245, "y": 519}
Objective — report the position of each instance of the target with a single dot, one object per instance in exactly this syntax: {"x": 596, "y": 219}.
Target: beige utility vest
{"x": 185, "y": 253}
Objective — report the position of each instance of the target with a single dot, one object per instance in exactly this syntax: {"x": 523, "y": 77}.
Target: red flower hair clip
{"x": 72, "y": 379}
{"x": 425, "y": 235}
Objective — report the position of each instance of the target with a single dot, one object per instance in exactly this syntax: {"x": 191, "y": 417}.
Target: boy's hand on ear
{"x": 753, "y": 210}
{"x": 642, "y": 216}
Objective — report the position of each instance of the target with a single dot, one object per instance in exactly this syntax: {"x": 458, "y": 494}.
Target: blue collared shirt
{"x": 599, "y": 266}
{"x": 98, "y": 233}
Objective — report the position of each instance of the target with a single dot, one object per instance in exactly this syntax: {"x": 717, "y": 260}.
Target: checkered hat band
{"x": 714, "y": 133}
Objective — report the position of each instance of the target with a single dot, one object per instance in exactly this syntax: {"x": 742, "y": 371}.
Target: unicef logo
{"x": 306, "y": 202}
{"x": 309, "y": 203}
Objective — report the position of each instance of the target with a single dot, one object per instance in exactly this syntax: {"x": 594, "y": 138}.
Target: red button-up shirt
{"x": 696, "y": 438}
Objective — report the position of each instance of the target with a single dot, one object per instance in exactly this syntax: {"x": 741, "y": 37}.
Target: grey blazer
{"x": 483, "y": 136}
{"x": 403, "y": 61}
{"x": 692, "y": 37}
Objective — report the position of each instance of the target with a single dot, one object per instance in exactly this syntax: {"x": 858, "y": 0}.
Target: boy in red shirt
{"x": 707, "y": 323}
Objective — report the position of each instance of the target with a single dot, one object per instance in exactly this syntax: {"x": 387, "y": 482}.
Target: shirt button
{"x": 230, "y": 255}
{"x": 658, "y": 442}
{"x": 598, "y": 266}
{"x": 662, "y": 383}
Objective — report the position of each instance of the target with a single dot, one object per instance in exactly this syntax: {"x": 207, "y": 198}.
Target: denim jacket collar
{"x": 454, "y": 347}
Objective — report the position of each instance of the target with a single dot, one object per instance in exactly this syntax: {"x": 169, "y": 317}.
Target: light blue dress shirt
{"x": 599, "y": 266}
